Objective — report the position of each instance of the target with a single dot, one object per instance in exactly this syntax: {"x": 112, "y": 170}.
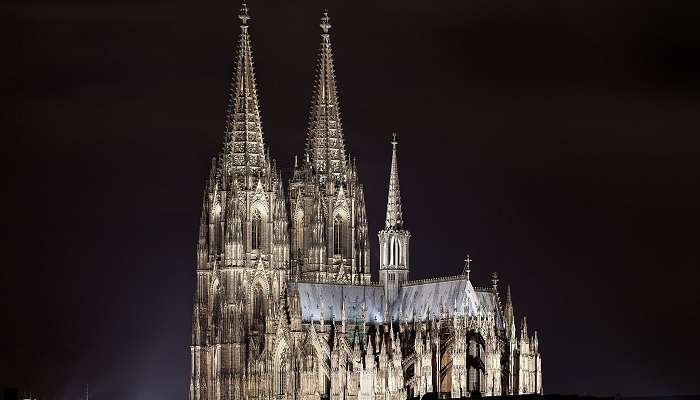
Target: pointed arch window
{"x": 338, "y": 236}
{"x": 299, "y": 232}
{"x": 283, "y": 374}
{"x": 397, "y": 252}
{"x": 256, "y": 231}
{"x": 258, "y": 309}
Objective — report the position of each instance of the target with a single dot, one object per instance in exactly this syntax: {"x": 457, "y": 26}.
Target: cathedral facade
{"x": 284, "y": 305}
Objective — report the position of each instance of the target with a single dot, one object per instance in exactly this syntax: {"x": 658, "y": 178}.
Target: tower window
{"x": 338, "y": 234}
{"x": 258, "y": 310}
{"x": 256, "y": 231}
{"x": 283, "y": 374}
{"x": 299, "y": 231}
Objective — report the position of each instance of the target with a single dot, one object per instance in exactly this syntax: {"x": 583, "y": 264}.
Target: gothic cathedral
{"x": 284, "y": 306}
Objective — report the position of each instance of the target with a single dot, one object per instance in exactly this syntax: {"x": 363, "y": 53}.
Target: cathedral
{"x": 285, "y": 306}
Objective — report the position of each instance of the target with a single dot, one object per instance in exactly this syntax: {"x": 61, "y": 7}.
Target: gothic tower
{"x": 243, "y": 245}
{"x": 288, "y": 312}
{"x": 393, "y": 239}
{"x": 329, "y": 241}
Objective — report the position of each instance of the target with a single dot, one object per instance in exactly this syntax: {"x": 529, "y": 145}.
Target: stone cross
{"x": 467, "y": 266}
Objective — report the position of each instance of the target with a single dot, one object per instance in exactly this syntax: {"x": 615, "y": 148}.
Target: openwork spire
{"x": 394, "y": 215}
{"x": 244, "y": 151}
{"x": 324, "y": 142}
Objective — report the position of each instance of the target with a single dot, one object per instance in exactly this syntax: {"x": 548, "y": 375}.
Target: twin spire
{"x": 325, "y": 145}
{"x": 244, "y": 148}
{"x": 394, "y": 215}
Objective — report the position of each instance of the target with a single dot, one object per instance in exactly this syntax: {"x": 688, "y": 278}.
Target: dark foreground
{"x": 432, "y": 396}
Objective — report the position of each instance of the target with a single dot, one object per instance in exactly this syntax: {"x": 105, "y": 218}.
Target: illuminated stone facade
{"x": 284, "y": 305}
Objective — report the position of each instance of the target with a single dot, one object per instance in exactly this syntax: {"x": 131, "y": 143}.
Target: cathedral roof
{"x": 328, "y": 298}
{"x": 324, "y": 142}
{"x": 424, "y": 298}
{"x": 488, "y": 301}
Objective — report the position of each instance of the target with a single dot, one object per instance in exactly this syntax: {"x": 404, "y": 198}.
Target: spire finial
{"x": 325, "y": 22}
{"x": 394, "y": 142}
{"x": 243, "y": 15}
{"x": 494, "y": 280}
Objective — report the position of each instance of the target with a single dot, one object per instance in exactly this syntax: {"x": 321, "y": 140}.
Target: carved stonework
{"x": 306, "y": 323}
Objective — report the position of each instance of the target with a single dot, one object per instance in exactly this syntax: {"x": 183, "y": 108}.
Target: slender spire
{"x": 394, "y": 215}
{"x": 244, "y": 149}
{"x": 509, "y": 314}
{"x": 324, "y": 141}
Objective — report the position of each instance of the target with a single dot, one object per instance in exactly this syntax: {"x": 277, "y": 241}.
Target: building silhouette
{"x": 284, "y": 305}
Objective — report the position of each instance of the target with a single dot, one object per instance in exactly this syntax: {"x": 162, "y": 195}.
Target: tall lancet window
{"x": 338, "y": 236}
{"x": 218, "y": 226}
{"x": 395, "y": 251}
{"x": 256, "y": 231}
{"x": 298, "y": 232}
{"x": 258, "y": 309}
{"x": 283, "y": 374}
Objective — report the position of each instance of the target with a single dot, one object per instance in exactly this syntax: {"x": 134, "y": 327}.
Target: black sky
{"x": 554, "y": 141}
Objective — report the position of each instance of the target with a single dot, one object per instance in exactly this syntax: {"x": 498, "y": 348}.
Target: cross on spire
{"x": 467, "y": 266}
{"x": 393, "y": 141}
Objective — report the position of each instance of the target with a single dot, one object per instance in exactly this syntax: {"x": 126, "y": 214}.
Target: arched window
{"x": 258, "y": 309}
{"x": 299, "y": 230}
{"x": 338, "y": 235}
{"x": 283, "y": 374}
{"x": 256, "y": 231}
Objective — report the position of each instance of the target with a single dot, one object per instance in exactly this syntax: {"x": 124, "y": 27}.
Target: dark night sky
{"x": 560, "y": 138}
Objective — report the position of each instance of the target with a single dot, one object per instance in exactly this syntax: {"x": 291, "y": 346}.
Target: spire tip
{"x": 325, "y": 22}
{"x": 243, "y": 14}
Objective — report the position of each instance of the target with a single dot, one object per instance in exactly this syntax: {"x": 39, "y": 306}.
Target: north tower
{"x": 329, "y": 239}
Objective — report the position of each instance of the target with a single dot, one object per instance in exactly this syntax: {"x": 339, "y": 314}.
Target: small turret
{"x": 393, "y": 239}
